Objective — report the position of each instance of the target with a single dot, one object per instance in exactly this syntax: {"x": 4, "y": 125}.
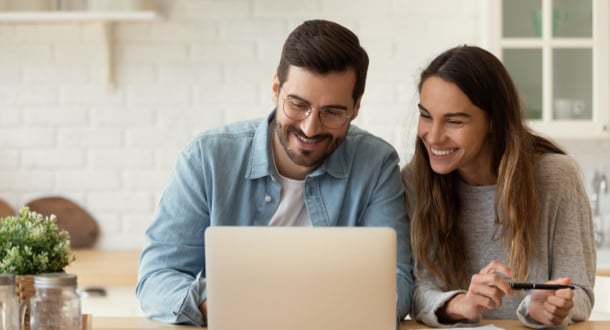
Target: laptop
{"x": 297, "y": 278}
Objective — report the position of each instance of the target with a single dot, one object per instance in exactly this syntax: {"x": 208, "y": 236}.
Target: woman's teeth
{"x": 438, "y": 152}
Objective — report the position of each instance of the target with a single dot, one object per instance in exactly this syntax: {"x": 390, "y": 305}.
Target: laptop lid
{"x": 314, "y": 278}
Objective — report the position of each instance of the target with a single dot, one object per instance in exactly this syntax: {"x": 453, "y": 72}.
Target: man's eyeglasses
{"x": 330, "y": 117}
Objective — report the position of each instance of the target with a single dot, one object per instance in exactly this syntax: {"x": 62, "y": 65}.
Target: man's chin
{"x": 306, "y": 161}
{"x": 311, "y": 164}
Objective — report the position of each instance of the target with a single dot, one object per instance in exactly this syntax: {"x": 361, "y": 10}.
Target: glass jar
{"x": 9, "y": 304}
{"x": 56, "y": 305}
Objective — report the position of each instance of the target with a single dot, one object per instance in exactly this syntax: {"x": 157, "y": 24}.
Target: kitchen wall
{"x": 65, "y": 131}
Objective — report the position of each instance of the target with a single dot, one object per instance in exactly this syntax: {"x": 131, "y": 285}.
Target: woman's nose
{"x": 435, "y": 134}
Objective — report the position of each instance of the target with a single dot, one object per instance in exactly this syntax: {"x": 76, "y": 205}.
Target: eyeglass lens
{"x": 330, "y": 117}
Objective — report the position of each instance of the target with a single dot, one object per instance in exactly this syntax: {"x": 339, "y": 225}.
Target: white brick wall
{"x": 208, "y": 62}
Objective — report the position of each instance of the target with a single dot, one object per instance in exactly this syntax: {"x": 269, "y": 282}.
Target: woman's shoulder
{"x": 554, "y": 168}
{"x": 556, "y": 163}
{"x": 407, "y": 173}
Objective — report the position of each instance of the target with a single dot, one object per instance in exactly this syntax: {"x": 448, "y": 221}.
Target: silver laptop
{"x": 297, "y": 278}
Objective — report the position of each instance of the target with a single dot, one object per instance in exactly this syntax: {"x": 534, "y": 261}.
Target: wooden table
{"x": 105, "y": 268}
{"x": 139, "y": 323}
{"x": 603, "y": 272}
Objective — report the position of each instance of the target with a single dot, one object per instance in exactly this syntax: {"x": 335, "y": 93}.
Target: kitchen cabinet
{"x": 557, "y": 53}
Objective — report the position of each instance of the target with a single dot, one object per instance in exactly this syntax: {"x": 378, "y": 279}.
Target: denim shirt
{"x": 226, "y": 177}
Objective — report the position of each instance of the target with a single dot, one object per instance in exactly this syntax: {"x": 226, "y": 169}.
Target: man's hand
{"x": 551, "y": 307}
{"x": 204, "y": 309}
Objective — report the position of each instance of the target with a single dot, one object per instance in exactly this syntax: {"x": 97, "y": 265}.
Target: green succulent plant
{"x": 31, "y": 243}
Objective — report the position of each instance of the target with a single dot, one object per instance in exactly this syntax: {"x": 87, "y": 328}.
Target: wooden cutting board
{"x": 71, "y": 217}
{"x": 5, "y": 209}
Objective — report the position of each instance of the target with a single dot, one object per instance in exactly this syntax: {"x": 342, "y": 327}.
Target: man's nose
{"x": 312, "y": 125}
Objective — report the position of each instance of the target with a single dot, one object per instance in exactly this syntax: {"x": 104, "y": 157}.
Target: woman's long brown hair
{"x": 438, "y": 244}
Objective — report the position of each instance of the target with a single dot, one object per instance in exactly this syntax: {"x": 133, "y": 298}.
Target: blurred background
{"x": 98, "y": 97}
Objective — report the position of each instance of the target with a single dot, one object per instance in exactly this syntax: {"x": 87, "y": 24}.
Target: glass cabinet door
{"x": 572, "y": 19}
{"x": 521, "y": 18}
{"x": 525, "y": 67}
{"x": 557, "y": 53}
{"x": 572, "y": 83}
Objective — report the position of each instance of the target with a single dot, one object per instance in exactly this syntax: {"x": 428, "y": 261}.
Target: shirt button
{"x": 267, "y": 198}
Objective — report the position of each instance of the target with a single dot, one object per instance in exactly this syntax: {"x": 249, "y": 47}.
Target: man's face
{"x": 301, "y": 145}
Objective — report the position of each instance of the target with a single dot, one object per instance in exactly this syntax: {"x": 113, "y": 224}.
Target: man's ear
{"x": 275, "y": 88}
{"x": 356, "y": 109}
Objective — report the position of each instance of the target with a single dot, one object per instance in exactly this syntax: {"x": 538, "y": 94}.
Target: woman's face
{"x": 455, "y": 132}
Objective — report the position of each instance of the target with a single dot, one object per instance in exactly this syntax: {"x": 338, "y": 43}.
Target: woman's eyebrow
{"x": 450, "y": 114}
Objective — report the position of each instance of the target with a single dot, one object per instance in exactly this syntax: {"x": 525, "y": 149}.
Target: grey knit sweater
{"x": 564, "y": 246}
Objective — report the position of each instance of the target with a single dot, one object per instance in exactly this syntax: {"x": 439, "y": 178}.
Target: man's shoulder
{"x": 232, "y": 136}
{"x": 235, "y": 130}
{"x": 364, "y": 140}
{"x": 238, "y": 128}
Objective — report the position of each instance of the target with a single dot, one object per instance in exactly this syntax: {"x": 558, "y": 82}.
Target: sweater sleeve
{"x": 428, "y": 298}
{"x": 571, "y": 243}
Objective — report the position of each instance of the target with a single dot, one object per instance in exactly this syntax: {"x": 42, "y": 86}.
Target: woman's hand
{"x": 486, "y": 290}
{"x": 551, "y": 307}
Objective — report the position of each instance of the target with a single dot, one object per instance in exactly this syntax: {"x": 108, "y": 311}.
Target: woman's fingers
{"x": 495, "y": 267}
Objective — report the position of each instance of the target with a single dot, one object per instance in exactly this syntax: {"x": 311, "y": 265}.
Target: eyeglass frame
{"x": 321, "y": 111}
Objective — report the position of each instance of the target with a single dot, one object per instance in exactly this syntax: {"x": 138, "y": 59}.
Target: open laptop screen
{"x": 266, "y": 278}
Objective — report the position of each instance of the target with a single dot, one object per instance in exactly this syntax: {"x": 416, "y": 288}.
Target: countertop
{"x": 105, "y": 267}
{"x": 140, "y": 323}
{"x": 120, "y": 268}
{"x": 116, "y": 271}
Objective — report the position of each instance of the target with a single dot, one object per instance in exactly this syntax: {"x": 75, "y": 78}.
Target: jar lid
{"x": 7, "y": 279}
{"x": 54, "y": 280}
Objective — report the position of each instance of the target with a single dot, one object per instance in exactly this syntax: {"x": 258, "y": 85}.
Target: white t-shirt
{"x": 291, "y": 211}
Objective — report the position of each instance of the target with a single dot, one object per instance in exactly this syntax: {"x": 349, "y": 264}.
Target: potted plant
{"x": 31, "y": 244}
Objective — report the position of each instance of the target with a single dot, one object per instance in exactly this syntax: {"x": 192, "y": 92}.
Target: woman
{"x": 492, "y": 203}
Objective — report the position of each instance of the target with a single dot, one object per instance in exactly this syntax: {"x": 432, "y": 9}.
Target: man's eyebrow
{"x": 296, "y": 97}
{"x": 336, "y": 106}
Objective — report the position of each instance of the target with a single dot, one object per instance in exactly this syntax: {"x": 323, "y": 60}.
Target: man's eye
{"x": 334, "y": 112}
{"x": 301, "y": 106}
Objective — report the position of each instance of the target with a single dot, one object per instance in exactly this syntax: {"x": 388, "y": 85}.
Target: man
{"x": 303, "y": 165}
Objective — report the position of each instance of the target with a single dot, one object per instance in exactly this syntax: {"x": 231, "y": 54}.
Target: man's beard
{"x": 302, "y": 157}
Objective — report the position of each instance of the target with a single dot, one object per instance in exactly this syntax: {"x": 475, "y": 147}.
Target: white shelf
{"x": 103, "y": 19}
{"x": 76, "y": 16}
